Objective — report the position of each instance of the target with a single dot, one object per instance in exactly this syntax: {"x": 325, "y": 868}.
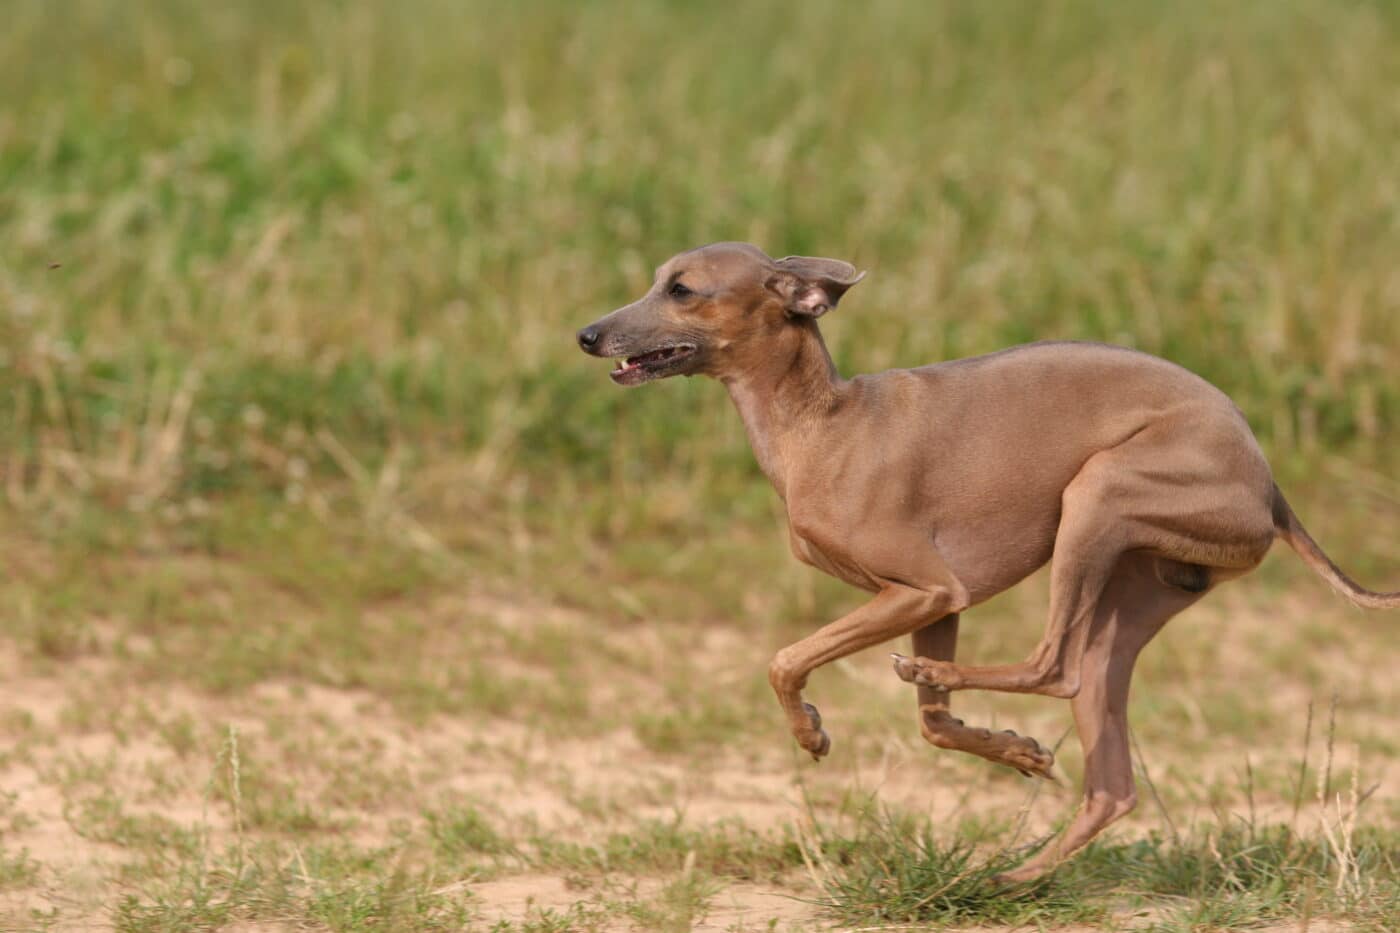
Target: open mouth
{"x": 635, "y": 369}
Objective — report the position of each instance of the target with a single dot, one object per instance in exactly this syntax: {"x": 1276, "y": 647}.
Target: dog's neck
{"x": 780, "y": 393}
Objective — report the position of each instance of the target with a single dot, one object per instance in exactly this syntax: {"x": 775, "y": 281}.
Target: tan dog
{"x": 937, "y": 488}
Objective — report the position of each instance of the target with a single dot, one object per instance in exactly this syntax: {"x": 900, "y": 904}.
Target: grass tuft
{"x": 1238, "y": 874}
{"x": 894, "y": 868}
{"x": 463, "y": 831}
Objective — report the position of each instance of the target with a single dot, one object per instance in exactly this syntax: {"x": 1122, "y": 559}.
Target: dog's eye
{"x": 678, "y": 290}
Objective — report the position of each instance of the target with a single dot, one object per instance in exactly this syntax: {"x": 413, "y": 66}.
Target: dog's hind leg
{"x": 1134, "y": 607}
{"x": 1087, "y": 547}
{"x": 1129, "y": 499}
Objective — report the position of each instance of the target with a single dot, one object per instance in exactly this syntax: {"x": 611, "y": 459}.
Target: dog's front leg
{"x": 897, "y": 609}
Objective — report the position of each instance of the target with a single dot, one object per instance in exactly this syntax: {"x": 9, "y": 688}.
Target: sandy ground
{"x": 84, "y": 729}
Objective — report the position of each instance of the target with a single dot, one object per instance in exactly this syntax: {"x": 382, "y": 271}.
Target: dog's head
{"x": 713, "y": 309}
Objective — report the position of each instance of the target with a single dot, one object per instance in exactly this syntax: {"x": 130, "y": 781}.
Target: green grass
{"x": 329, "y": 260}
{"x": 464, "y": 830}
{"x": 894, "y": 869}
{"x": 899, "y": 870}
{"x": 17, "y": 869}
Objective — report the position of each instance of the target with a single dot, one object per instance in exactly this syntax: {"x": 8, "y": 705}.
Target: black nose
{"x": 588, "y": 338}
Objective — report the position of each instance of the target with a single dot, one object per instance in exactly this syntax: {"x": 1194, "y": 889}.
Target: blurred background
{"x": 288, "y": 386}
{"x": 232, "y": 235}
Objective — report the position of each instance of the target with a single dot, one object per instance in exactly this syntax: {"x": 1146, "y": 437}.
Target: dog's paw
{"x": 1028, "y": 756}
{"x": 814, "y": 739}
{"x": 1021, "y": 752}
{"x": 927, "y": 672}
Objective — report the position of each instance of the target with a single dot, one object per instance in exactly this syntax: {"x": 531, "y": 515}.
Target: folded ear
{"x": 810, "y": 286}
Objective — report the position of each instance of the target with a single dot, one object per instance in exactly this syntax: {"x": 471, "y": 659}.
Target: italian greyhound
{"x": 938, "y": 487}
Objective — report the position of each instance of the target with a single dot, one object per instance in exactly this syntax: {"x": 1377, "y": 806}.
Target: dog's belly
{"x": 994, "y": 555}
{"x": 987, "y": 555}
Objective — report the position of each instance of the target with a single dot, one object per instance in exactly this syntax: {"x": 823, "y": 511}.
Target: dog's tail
{"x": 1292, "y": 531}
